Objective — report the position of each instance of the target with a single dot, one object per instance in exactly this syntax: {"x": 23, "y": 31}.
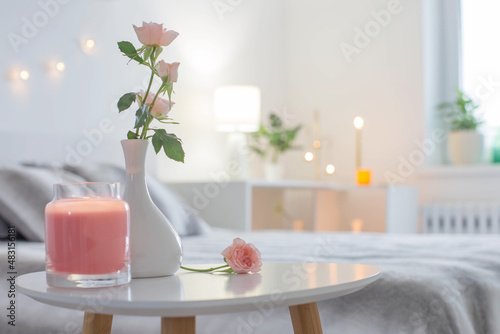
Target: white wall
{"x": 289, "y": 48}
{"x": 45, "y": 117}
{"x": 382, "y": 83}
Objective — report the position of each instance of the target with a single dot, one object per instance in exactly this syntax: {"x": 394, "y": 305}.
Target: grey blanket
{"x": 430, "y": 284}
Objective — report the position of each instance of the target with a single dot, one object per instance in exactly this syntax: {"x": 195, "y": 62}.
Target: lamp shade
{"x": 237, "y": 108}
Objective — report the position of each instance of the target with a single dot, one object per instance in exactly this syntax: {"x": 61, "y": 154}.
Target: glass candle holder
{"x": 87, "y": 236}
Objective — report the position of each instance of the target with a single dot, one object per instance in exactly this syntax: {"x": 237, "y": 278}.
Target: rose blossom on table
{"x": 241, "y": 258}
{"x": 153, "y": 34}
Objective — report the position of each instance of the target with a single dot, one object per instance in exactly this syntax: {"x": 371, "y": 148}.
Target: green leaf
{"x": 172, "y": 146}
{"x": 148, "y": 52}
{"x": 129, "y": 50}
{"x": 169, "y": 88}
{"x": 276, "y": 121}
{"x": 158, "y": 51}
{"x": 126, "y": 101}
{"x": 131, "y": 135}
{"x": 167, "y": 122}
{"x": 140, "y": 99}
{"x": 462, "y": 114}
{"x": 257, "y": 150}
{"x": 141, "y": 116}
{"x": 157, "y": 142}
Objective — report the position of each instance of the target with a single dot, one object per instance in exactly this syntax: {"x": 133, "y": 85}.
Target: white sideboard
{"x": 311, "y": 205}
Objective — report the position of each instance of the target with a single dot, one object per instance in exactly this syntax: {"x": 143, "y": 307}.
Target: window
{"x": 481, "y": 57}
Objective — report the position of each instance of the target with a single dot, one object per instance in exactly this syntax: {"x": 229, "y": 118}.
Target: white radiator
{"x": 469, "y": 218}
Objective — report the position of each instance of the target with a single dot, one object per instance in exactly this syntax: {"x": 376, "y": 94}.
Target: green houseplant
{"x": 272, "y": 141}
{"x": 465, "y": 142}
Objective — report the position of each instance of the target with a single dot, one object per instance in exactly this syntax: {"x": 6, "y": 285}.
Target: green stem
{"x": 157, "y": 93}
{"x": 152, "y": 76}
{"x": 205, "y": 270}
{"x": 146, "y": 126}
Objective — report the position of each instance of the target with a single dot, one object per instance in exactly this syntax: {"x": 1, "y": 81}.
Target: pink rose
{"x": 168, "y": 71}
{"x": 154, "y": 34}
{"x": 161, "y": 107}
{"x": 242, "y": 257}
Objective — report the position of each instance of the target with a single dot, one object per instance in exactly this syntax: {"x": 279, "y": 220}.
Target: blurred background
{"x": 318, "y": 64}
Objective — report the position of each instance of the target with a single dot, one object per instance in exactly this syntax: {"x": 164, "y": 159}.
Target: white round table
{"x": 179, "y": 298}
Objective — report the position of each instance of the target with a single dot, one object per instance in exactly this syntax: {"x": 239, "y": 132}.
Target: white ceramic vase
{"x": 273, "y": 171}
{"x": 155, "y": 247}
{"x": 465, "y": 147}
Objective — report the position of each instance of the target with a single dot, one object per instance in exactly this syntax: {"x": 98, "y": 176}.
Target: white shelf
{"x": 293, "y": 184}
{"x": 450, "y": 171}
{"x": 252, "y": 205}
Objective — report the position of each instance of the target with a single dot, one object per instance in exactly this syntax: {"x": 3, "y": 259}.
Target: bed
{"x": 430, "y": 283}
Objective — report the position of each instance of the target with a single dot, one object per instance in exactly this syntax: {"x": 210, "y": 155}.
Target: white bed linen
{"x": 430, "y": 284}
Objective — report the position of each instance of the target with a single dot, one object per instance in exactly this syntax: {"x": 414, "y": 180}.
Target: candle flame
{"x": 359, "y": 122}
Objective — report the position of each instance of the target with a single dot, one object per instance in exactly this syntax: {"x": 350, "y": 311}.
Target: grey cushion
{"x": 24, "y": 193}
{"x": 4, "y": 229}
{"x": 184, "y": 220}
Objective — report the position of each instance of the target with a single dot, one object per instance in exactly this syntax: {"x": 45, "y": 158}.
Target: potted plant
{"x": 273, "y": 141}
{"x": 465, "y": 142}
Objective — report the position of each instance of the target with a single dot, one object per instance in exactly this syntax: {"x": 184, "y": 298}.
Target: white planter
{"x": 155, "y": 247}
{"x": 465, "y": 147}
{"x": 273, "y": 171}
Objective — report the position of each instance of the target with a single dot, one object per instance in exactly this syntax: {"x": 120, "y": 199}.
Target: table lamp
{"x": 237, "y": 111}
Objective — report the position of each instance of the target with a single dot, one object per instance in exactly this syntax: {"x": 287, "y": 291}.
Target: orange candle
{"x": 363, "y": 176}
{"x": 87, "y": 236}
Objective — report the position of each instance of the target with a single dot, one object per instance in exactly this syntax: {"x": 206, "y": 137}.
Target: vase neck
{"x": 135, "y": 156}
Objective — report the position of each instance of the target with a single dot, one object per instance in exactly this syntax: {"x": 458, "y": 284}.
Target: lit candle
{"x": 358, "y": 124}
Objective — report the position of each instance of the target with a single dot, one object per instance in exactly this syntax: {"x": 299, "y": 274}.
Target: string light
{"x": 60, "y": 66}
{"x": 88, "y": 45}
{"x": 316, "y": 144}
{"x": 309, "y": 156}
{"x": 330, "y": 169}
{"x": 24, "y": 75}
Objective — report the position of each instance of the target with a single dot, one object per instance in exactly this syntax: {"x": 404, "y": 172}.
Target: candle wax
{"x": 87, "y": 236}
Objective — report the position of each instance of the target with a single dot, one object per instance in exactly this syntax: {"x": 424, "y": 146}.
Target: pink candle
{"x": 86, "y": 236}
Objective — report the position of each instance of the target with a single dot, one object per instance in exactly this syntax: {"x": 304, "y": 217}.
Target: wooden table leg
{"x": 185, "y": 325}
{"x": 305, "y": 319}
{"x": 94, "y": 323}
